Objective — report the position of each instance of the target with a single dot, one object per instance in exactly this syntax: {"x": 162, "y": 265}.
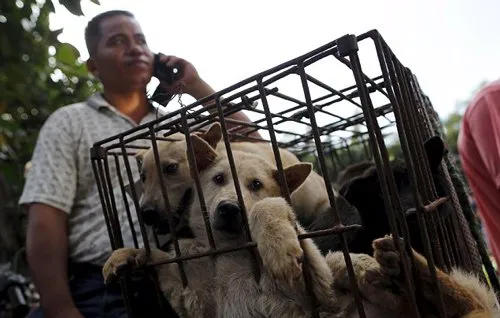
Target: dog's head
{"x": 365, "y": 193}
{"x": 173, "y": 167}
{"x": 257, "y": 179}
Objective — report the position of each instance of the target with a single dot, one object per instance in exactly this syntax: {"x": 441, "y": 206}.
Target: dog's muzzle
{"x": 150, "y": 215}
{"x": 228, "y": 217}
{"x": 153, "y": 217}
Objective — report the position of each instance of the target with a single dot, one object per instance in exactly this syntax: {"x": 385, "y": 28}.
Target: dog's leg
{"x": 379, "y": 295}
{"x": 274, "y": 228}
{"x": 460, "y": 298}
{"x": 185, "y": 301}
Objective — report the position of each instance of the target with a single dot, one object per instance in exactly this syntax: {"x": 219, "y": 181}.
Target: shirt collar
{"x": 98, "y": 102}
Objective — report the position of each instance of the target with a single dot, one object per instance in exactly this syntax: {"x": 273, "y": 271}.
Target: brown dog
{"x": 381, "y": 282}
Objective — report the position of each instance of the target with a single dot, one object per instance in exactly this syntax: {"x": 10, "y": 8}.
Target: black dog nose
{"x": 227, "y": 209}
{"x": 149, "y": 215}
{"x": 228, "y": 217}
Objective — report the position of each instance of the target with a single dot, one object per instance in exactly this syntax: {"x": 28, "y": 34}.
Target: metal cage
{"x": 303, "y": 105}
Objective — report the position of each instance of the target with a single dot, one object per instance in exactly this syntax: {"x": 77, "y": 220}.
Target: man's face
{"x": 122, "y": 60}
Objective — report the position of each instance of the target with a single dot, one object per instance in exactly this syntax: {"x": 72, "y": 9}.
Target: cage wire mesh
{"x": 304, "y": 105}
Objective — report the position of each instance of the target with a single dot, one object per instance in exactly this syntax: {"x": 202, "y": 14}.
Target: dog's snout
{"x": 149, "y": 215}
{"x": 228, "y": 209}
{"x": 228, "y": 217}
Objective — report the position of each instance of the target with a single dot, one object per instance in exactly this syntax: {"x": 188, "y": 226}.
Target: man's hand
{"x": 189, "y": 81}
{"x": 47, "y": 254}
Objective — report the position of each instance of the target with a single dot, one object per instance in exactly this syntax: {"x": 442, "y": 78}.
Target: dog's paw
{"x": 272, "y": 224}
{"x": 121, "y": 259}
{"x": 386, "y": 254}
{"x": 361, "y": 264}
{"x": 283, "y": 259}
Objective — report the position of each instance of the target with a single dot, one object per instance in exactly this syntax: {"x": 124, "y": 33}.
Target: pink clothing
{"x": 479, "y": 149}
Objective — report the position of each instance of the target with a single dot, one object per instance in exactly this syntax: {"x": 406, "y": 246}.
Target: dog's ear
{"x": 204, "y": 154}
{"x": 360, "y": 188}
{"x": 140, "y": 155}
{"x": 435, "y": 150}
{"x": 212, "y": 136}
{"x": 295, "y": 175}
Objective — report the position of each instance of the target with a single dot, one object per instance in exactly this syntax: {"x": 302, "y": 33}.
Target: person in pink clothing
{"x": 479, "y": 150}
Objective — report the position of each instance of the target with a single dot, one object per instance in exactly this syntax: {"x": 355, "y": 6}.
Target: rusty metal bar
{"x": 331, "y": 197}
{"x": 168, "y": 207}
{"x": 196, "y": 177}
{"x": 100, "y": 186}
{"x": 124, "y": 196}
{"x": 388, "y": 69}
{"x": 237, "y": 187}
{"x": 381, "y": 161}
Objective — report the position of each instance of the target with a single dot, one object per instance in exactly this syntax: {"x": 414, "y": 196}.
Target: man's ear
{"x": 212, "y": 136}
{"x": 295, "y": 175}
{"x": 92, "y": 67}
{"x": 204, "y": 154}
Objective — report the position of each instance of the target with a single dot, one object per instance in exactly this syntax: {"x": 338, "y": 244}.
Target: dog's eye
{"x": 255, "y": 185}
{"x": 218, "y": 179}
{"x": 169, "y": 169}
{"x": 143, "y": 176}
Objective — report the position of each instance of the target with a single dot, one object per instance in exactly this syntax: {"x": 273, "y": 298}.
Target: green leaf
{"x": 67, "y": 54}
{"x": 50, "y": 6}
{"x": 73, "y": 6}
{"x": 54, "y": 34}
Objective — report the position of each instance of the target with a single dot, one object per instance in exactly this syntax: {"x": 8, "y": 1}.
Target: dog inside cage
{"x": 319, "y": 217}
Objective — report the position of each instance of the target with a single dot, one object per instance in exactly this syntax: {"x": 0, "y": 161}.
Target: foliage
{"x": 38, "y": 74}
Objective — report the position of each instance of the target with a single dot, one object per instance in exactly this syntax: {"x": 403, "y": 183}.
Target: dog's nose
{"x": 149, "y": 215}
{"x": 227, "y": 209}
{"x": 228, "y": 217}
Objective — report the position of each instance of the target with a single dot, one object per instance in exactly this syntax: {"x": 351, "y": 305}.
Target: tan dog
{"x": 227, "y": 286}
{"x": 308, "y": 201}
{"x": 178, "y": 182}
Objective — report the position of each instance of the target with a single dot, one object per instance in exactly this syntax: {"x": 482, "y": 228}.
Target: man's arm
{"x": 202, "y": 89}
{"x": 195, "y": 86}
{"x": 483, "y": 121}
{"x": 49, "y": 192}
{"x": 47, "y": 254}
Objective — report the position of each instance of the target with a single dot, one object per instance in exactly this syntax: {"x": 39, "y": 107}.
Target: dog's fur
{"x": 360, "y": 186}
{"x": 310, "y": 201}
{"x": 226, "y": 287}
{"x": 381, "y": 282}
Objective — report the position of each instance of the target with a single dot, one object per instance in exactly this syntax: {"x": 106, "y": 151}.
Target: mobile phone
{"x": 165, "y": 74}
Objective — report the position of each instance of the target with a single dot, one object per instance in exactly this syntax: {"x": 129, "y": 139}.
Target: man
{"x": 66, "y": 224}
{"x": 479, "y": 149}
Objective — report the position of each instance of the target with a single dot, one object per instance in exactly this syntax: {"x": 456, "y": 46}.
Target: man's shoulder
{"x": 486, "y": 97}
{"x": 76, "y": 107}
{"x": 70, "y": 113}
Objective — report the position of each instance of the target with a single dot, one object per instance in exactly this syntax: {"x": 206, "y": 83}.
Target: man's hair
{"x": 93, "y": 29}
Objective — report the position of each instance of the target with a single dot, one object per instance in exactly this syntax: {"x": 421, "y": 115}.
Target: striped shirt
{"x": 62, "y": 177}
